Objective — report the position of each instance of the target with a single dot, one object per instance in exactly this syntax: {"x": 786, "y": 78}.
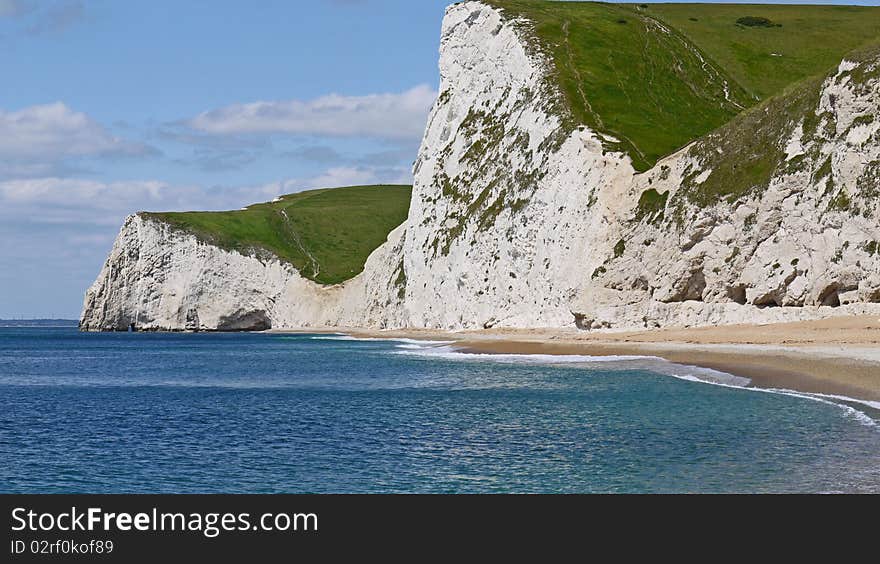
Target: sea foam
{"x": 440, "y": 349}
{"x": 340, "y": 337}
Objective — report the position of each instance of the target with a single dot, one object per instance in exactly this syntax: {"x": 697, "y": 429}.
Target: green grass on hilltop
{"x": 627, "y": 76}
{"x": 659, "y": 76}
{"x": 326, "y": 234}
{"x": 805, "y": 41}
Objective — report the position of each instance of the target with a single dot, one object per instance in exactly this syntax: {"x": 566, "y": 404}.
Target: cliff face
{"x": 157, "y": 278}
{"x": 520, "y": 218}
{"x": 772, "y": 217}
{"x": 510, "y": 208}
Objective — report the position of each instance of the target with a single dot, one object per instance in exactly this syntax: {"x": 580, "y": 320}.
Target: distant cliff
{"x": 527, "y": 210}
{"x": 160, "y": 278}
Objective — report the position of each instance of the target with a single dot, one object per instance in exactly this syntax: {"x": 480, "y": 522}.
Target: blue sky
{"x": 110, "y": 107}
{"x": 115, "y": 106}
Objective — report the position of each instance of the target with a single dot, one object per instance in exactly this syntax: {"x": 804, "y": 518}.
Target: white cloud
{"x": 92, "y": 202}
{"x": 344, "y": 176}
{"x": 340, "y": 176}
{"x": 70, "y": 200}
{"x": 53, "y": 200}
{"x": 69, "y": 224}
{"x": 385, "y": 116}
{"x": 54, "y": 131}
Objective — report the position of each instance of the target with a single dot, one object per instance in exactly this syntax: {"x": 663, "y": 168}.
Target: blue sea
{"x": 270, "y": 413}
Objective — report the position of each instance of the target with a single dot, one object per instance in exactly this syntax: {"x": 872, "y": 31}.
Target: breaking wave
{"x": 335, "y": 337}
{"x": 440, "y": 349}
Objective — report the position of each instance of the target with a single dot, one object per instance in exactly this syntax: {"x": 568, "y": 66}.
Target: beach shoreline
{"x": 837, "y": 356}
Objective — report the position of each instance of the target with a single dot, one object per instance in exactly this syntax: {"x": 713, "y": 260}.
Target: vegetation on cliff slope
{"x": 326, "y": 234}
{"x": 744, "y": 155}
{"x": 657, "y": 76}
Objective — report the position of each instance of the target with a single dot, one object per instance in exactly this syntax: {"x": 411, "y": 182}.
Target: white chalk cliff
{"x": 159, "y": 278}
{"x": 517, "y": 220}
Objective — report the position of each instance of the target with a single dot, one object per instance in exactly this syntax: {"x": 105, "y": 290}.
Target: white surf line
{"x": 698, "y": 374}
{"x": 346, "y": 337}
{"x": 658, "y": 364}
{"x": 860, "y": 416}
{"x": 450, "y": 353}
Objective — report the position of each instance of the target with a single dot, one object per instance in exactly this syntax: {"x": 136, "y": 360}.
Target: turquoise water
{"x": 305, "y": 413}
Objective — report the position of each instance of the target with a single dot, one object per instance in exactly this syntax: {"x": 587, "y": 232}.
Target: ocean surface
{"x": 107, "y": 413}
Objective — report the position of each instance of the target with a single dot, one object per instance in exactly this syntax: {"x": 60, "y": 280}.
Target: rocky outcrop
{"x": 710, "y": 241}
{"x": 520, "y": 218}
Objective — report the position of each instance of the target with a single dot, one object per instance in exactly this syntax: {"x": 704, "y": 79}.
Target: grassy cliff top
{"x": 657, "y": 76}
{"x": 797, "y": 42}
{"x": 326, "y": 234}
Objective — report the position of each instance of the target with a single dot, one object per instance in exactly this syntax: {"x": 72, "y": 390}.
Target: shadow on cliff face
{"x": 245, "y": 321}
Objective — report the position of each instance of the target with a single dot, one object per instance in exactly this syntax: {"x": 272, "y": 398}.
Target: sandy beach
{"x": 837, "y": 356}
